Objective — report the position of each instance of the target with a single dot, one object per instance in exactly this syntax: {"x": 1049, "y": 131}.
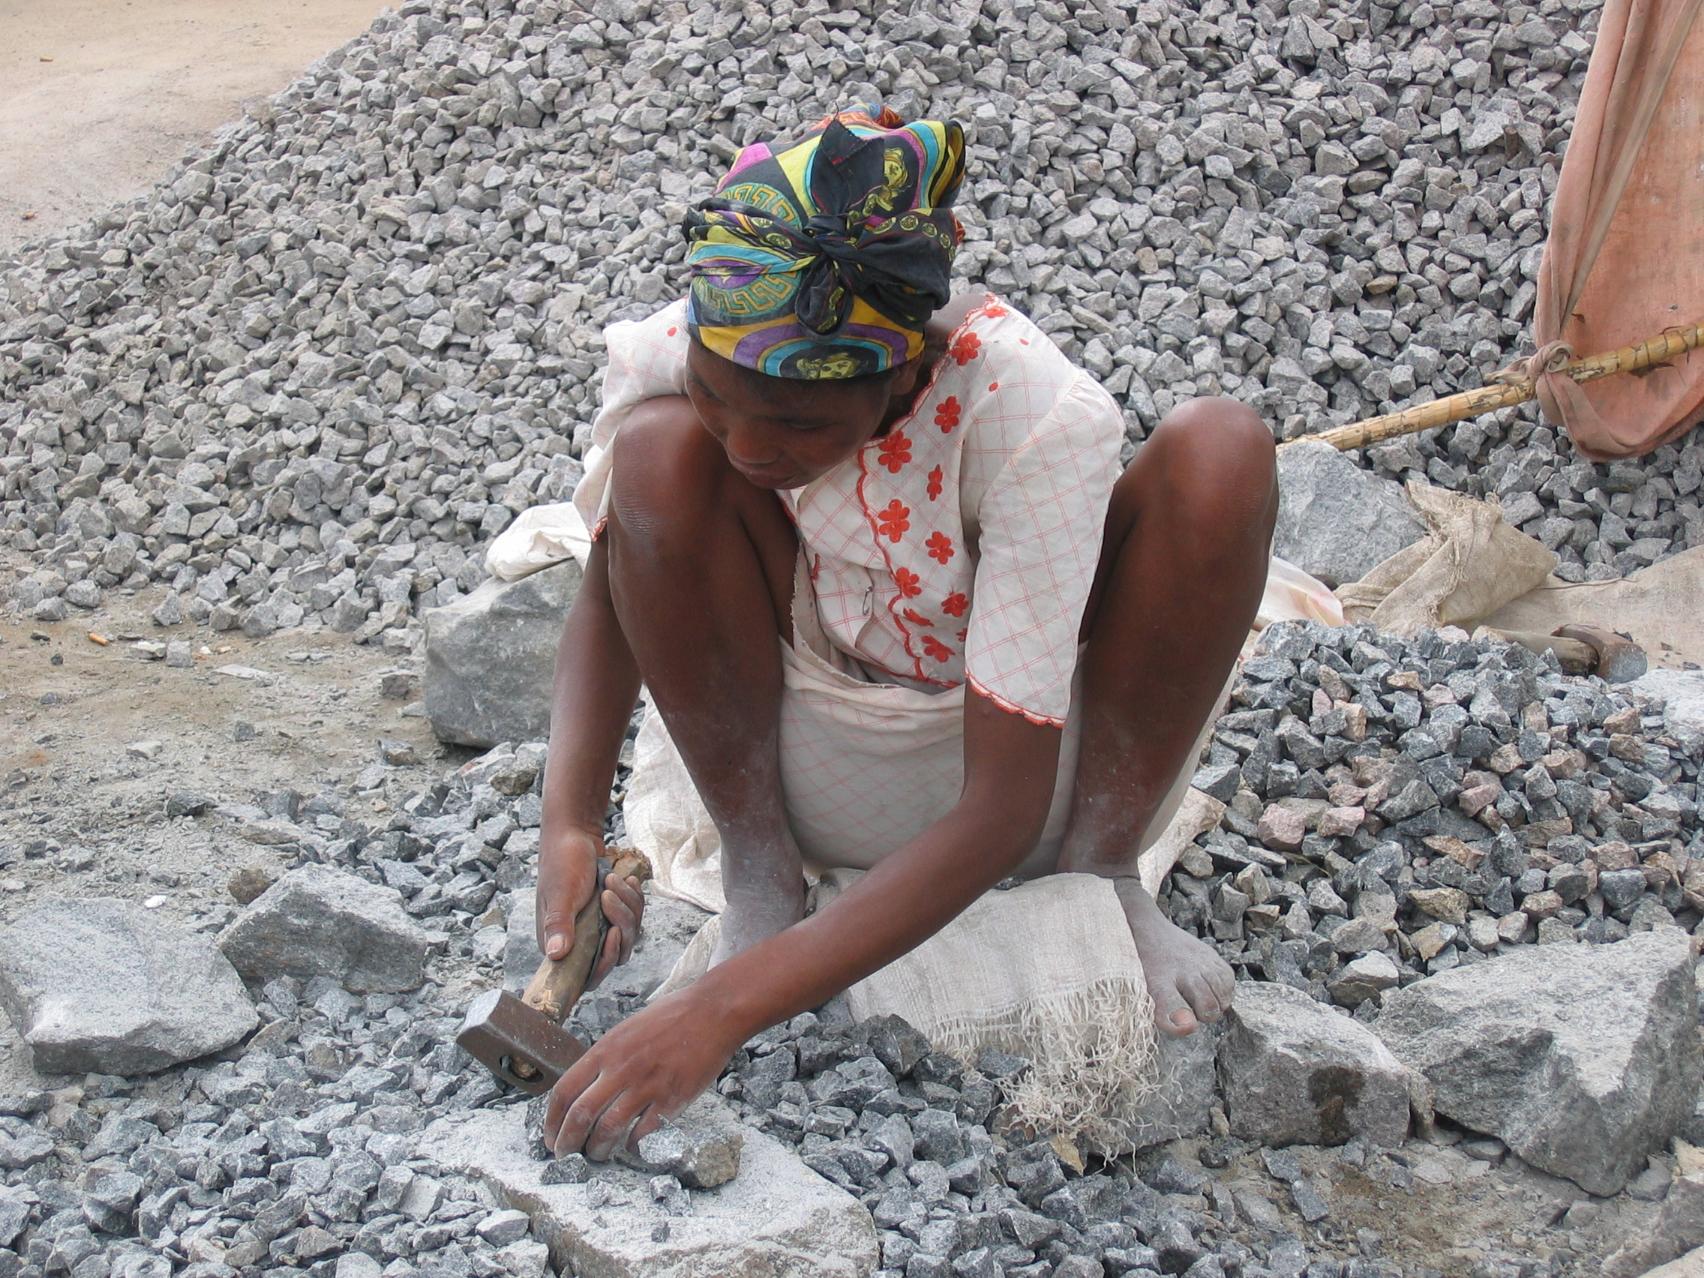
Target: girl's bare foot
{"x": 1188, "y": 981}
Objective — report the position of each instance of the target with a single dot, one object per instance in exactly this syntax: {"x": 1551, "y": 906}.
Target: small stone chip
{"x": 701, "y": 1155}
{"x": 572, "y": 1169}
{"x": 248, "y": 883}
{"x": 1310, "y": 1203}
{"x": 186, "y": 803}
{"x": 503, "y": 1227}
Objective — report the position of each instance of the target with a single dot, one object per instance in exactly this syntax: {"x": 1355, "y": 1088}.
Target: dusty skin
{"x": 102, "y": 97}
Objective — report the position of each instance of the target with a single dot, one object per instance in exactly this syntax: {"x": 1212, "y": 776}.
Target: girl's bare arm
{"x": 596, "y": 686}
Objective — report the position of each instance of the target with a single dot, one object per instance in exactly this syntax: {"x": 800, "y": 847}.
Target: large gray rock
{"x": 1182, "y": 1104}
{"x": 1295, "y": 1071}
{"x": 490, "y": 658}
{"x": 1336, "y": 520}
{"x": 98, "y": 984}
{"x": 321, "y": 921}
{"x": 776, "y": 1219}
{"x": 664, "y": 931}
{"x": 1583, "y": 1059}
{"x": 1691, "y": 1265}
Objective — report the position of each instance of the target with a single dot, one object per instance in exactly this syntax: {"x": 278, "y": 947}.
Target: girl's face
{"x": 783, "y": 433}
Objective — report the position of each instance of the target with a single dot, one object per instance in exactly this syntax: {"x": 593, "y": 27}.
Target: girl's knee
{"x": 675, "y": 501}
{"x": 666, "y": 474}
{"x": 1223, "y": 433}
{"x": 1216, "y": 458}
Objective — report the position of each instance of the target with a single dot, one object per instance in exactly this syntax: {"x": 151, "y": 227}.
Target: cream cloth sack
{"x": 1047, "y": 971}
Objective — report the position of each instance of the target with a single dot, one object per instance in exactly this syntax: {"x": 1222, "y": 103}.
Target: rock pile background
{"x": 308, "y": 378}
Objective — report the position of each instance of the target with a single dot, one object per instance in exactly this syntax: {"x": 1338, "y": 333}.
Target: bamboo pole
{"x": 1517, "y": 390}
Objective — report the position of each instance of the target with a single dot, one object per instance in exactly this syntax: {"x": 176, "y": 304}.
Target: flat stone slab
{"x": 1583, "y": 1059}
{"x": 776, "y": 1219}
{"x": 321, "y": 921}
{"x": 98, "y": 984}
{"x": 1298, "y": 1072}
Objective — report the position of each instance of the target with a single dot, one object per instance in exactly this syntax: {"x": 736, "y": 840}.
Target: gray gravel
{"x": 1402, "y": 807}
{"x": 306, "y": 379}
{"x": 296, "y": 1148}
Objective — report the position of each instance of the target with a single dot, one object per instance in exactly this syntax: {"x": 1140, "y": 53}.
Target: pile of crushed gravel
{"x": 1396, "y": 808}
{"x": 1399, "y": 807}
{"x": 306, "y": 379}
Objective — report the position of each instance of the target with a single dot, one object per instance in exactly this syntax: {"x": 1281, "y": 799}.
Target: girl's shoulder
{"x": 659, "y": 339}
{"x": 996, "y": 348}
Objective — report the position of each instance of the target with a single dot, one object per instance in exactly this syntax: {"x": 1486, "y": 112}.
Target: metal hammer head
{"x": 518, "y": 1044}
{"x": 1619, "y": 659}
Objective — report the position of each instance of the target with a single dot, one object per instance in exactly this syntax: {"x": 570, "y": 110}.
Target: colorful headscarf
{"x": 825, "y": 259}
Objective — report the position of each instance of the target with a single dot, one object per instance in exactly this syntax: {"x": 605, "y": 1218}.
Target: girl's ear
{"x": 908, "y": 377}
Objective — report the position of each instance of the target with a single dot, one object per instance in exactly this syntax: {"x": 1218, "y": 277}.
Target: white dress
{"x": 957, "y": 551}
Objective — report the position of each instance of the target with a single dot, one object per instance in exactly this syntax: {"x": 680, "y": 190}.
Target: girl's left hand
{"x": 648, "y": 1068}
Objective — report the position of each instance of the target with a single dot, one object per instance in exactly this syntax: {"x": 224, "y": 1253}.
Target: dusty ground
{"x": 82, "y": 806}
{"x": 102, "y": 97}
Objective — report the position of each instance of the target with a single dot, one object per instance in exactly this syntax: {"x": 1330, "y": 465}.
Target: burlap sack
{"x": 1470, "y": 563}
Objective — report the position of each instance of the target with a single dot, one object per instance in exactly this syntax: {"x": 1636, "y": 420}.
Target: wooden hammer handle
{"x": 558, "y": 983}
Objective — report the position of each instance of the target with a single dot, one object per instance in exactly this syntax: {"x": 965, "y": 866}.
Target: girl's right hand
{"x": 567, "y": 870}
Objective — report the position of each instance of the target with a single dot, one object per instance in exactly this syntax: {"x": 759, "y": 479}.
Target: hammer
{"x": 1584, "y": 649}
{"x": 521, "y": 1040}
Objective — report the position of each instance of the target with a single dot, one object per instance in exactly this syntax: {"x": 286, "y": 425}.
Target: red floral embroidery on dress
{"x": 947, "y": 414}
{"x": 955, "y": 604}
{"x": 935, "y": 484}
{"x": 673, "y": 330}
{"x": 894, "y": 520}
{"x": 914, "y": 617}
{"x": 895, "y": 451}
{"x": 940, "y": 547}
{"x": 936, "y": 649}
{"x": 962, "y": 635}
{"x": 993, "y": 386}
{"x": 964, "y": 348}
{"x": 993, "y": 310}
{"x": 910, "y": 585}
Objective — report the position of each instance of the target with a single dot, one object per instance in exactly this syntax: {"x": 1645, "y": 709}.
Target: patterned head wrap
{"x": 824, "y": 259}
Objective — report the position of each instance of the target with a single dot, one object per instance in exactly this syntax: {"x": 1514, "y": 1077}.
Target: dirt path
{"x": 94, "y": 740}
{"x": 102, "y": 97}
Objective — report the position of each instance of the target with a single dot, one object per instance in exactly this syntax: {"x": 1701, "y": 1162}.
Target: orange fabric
{"x": 1625, "y": 257}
